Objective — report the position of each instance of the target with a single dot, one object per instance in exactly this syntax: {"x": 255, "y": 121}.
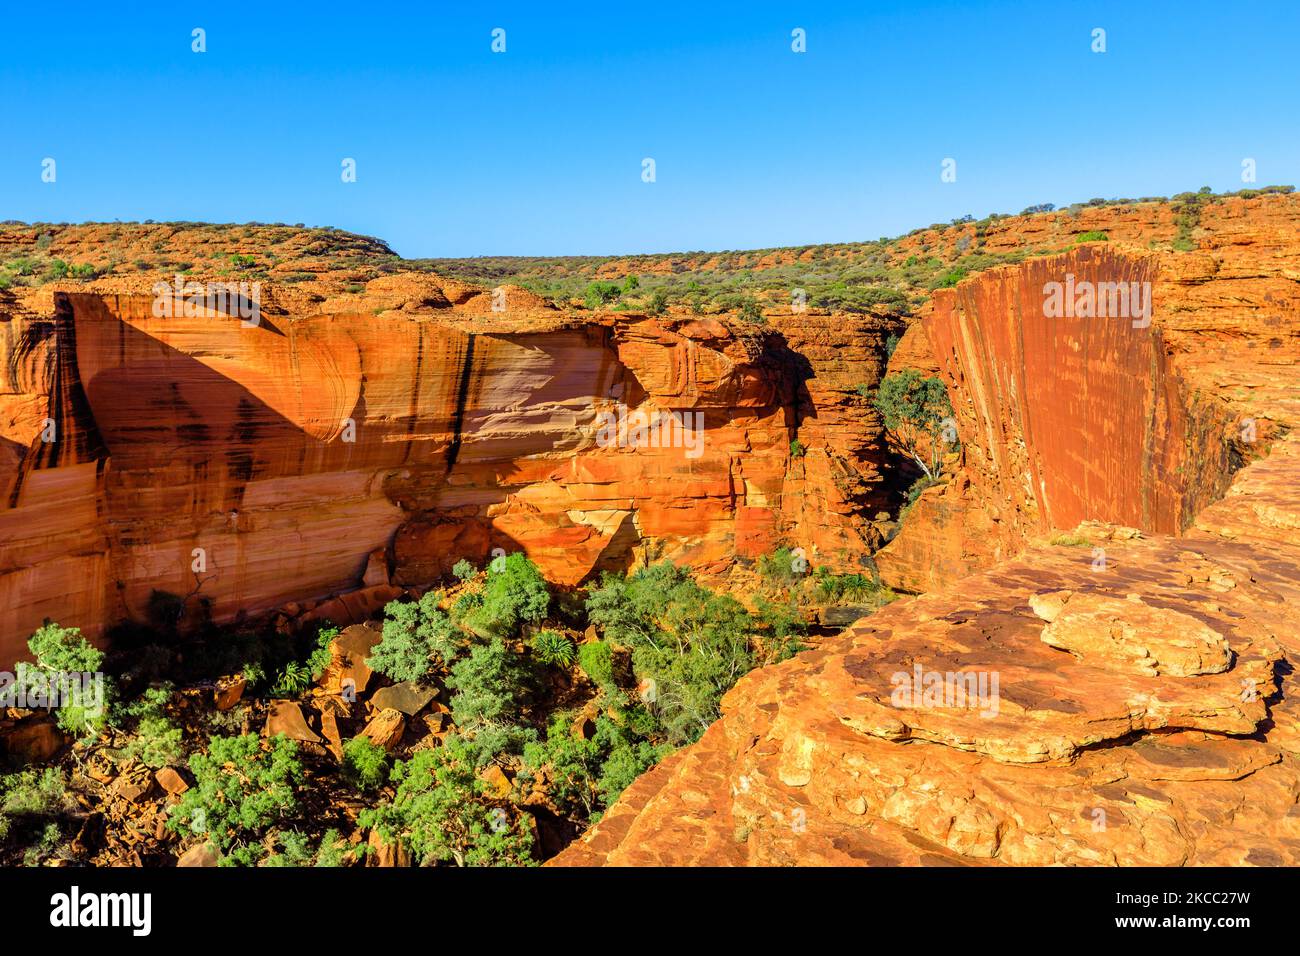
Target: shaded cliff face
{"x": 1122, "y": 698}
{"x": 242, "y": 467}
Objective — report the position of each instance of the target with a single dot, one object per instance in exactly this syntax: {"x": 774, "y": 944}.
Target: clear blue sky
{"x": 538, "y": 151}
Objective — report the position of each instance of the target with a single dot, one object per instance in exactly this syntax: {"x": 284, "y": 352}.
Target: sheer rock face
{"x": 1125, "y": 696}
{"x": 247, "y": 466}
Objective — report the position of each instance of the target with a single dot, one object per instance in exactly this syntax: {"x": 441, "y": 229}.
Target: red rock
{"x": 286, "y": 717}
{"x": 385, "y": 729}
{"x": 202, "y": 854}
{"x": 170, "y": 780}
{"x": 229, "y": 692}
{"x": 386, "y": 853}
{"x": 33, "y": 741}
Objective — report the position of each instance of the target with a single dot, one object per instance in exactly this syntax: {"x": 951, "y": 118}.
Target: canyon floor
{"x": 1108, "y": 551}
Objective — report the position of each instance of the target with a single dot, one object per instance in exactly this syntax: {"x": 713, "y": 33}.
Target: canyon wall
{"x": 244, "y": 467}
{"x": 1124, "y": 696}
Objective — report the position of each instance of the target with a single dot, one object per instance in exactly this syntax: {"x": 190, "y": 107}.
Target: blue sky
{"x": 538, "y": 151}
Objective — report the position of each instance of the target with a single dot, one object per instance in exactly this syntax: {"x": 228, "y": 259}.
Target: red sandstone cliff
{"x": 1145, "y": 708}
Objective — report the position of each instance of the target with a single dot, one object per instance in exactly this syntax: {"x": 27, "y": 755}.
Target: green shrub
{"x": 293, "y": 679}
{"x": 61, "y": 654}
{"x": 489, "y": 687}
{"x": 365, "y": 763}
{"x": 441, "y": 812}
{"x": 157, "y": 741}
{"x": 241, "y": 787}
{"x": 553, "y": 648}
{"x": 691, "y": 643}
{"x": 658, "y": 304}
{"x": 796, "y": 449}
{"x": 463, "y": 570}
{"x": 515, "y": 594}
{"x": 1092, "y": 235}
{"x": 782, "y": 566}
{"x": 601, "y": 293}
{"x": 596, "y": 659}
{"x": 418, "y": 636}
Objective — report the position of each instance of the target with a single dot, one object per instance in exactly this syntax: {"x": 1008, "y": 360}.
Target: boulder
{"x": 385, "y": 729}
{"x": 286, "y": 717}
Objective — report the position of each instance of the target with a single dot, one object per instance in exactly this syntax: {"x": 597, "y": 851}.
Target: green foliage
{"x": 62, "y": 655}
{"x": 691, "y": 643}
{"x": 585, "y": 775}
{"x": 951, "y": 277}
{"x": 365, "y": 763}
{"x": 295, "y": 851}
{"x": 796, "y": 449}
{"x": 601, "y": 293}
{"x": 417, "y": 637}
{"x": 320, "y": 656}
{"x": 781, "y": 566}
{"x": 463, "y": 570}
{"x": 751, "y": 311}
{"x": 784, "y": 626}
{"x": 891, "y": 343}
{"x": 293, "y": 679}
{"x": 441, "y": 812}
{"x": 658, "y": 303}
{"x": 596, "y": 659}
{"x": 241, "y": 788}
{"x": 631, "y": 284}
{"x": 490, "y": 686}
{"x": 915, "y": 409}
{"x": 33, "y": 805}
{"x": 1092, "y": 235}
{"x": 554, "y": 649}
{"x": 157, "y": 741}
{"x": 515, "y": 594}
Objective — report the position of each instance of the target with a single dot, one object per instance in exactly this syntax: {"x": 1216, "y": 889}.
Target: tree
{"x": 919, "y": 414}
{"x": 242, "y": 786}
{"x": 66, "y": 665}
{"x": 658, "y": 302}
{"x": 690, "y": 644}
{"x": 515, "y": 594}
{"x": 417, "y": 636}
{"x": 441, "y": 812}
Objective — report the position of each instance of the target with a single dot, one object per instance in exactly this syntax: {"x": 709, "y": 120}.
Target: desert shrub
{"x": 515, "y": 594}
{"x": 293, "y": 679}
{"x": 294, "y": 850}
{"x": 156, "y": 741}
{"x": 601, "y": 293}
{"x": 62, "y": 655}
{"x": 691, "y": 643}
{"x": 553, "y": 648}
{"x": 33, "y": 807}
{"x": 365, "y": 763}
{"x": 1092, "y": 235}
{"x": 782, "y": 566}
{"x": 783, "y": 625}
{"x": 658, "y": 304}
{"x": 417, "y": 637}
{"x": 489, "y": 686}
{"x": 586, "y": 775}
{"x": 441, "y": 812}
{"x": 596, "y": 659}
{"x": 242, "y": 786}
{"x": 463, "y": 570}
{"x": 796, "y": 449}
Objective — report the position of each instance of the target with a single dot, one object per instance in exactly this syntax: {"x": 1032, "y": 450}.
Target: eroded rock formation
{"x": 242, "y": 466}
{"x": 1123, "y": 696}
